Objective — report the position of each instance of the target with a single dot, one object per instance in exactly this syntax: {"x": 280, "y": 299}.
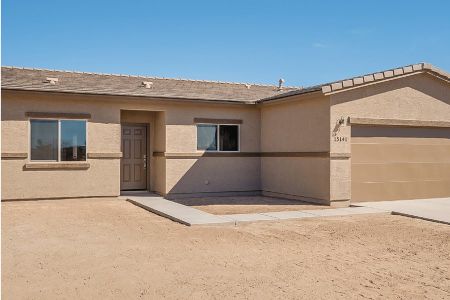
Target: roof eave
{"x": 283, "y": 97}
{"x": 174, "y": 99}
{"x": 382, "y": 76}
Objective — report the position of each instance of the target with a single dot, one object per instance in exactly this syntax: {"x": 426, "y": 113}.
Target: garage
{"x": 397, "y": 163}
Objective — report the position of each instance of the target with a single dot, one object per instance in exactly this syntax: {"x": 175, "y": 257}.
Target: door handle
{"x": 145, "y": 161}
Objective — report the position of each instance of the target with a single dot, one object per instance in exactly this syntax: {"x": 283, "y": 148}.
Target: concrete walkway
{"x": 436, "y": 210}
{"x": 176, "y": 212}
{"x": 190, "y": 216}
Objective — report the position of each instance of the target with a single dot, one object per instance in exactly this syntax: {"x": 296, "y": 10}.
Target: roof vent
{"x": 147, "y": 84}
{"x": 280, "y": 84}
{"x": 51, "y": 80}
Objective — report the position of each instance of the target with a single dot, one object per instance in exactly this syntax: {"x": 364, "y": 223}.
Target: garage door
{"x": 396, "y": 163}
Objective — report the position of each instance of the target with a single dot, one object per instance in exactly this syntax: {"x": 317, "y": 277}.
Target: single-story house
{"x": 381, "y": 136}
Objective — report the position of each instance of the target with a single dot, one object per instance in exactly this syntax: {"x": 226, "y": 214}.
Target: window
{"x": 228, "y": 137}
{"x": 58, "y": 140}
{"x": 206, "y": 137}
{"x": 73, "y": 140}
{"x": 44, "y": 140}
{"x": 211, "y": 137}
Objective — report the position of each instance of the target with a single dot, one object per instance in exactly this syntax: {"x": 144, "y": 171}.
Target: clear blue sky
{"x": 305, "y": 42}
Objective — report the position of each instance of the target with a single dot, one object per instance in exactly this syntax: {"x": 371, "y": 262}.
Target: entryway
{"x": 133, "y": 165}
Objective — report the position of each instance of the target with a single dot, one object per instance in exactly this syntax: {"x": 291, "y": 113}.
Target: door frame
{"x": 147, "y": 152}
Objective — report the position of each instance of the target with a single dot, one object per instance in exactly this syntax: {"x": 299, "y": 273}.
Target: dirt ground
{"x": 246, "y": 204}
{"x": 111, "y": 249}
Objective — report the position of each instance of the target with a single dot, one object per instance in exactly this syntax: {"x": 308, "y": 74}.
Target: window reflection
{"x": 229, "y": 139}
{"x": 73, "y": 140}
{"x": 44, "y": 140}
{"x": 206, "y": 137}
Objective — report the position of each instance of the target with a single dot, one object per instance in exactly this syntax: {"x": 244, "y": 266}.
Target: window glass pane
{"x": 229, "y": 138}
{"x": 73, "y": 140}
{"x": 206, "y": 137}
{"x": 44, "y": 140}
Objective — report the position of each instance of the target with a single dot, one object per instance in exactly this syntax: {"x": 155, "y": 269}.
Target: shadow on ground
{"x": 241, "y": 200}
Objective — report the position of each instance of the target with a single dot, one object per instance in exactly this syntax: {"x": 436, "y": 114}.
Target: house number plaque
{"x": 340, "y": 138}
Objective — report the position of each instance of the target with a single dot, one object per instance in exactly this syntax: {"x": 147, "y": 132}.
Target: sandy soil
{"x": 102, "y": 249}
{"x": 246, "y": 204}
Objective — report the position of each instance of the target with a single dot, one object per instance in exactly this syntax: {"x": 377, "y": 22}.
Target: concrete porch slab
{"x": 436, "y": 210}
{"x": 345, "y": 211}
{"x": 249, "y": 217}
{"x": 190, "y": 216}
{"x": 286, "y": 215}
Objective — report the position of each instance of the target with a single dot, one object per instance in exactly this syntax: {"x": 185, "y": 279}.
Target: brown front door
{"x": 133, "y": 166}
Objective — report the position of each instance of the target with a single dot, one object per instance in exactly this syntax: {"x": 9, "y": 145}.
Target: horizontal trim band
{"x": 398, "y": 122}
{"x": 340, "y": 155}
{"x": 240, "y": 154}
{"x": 217, "y": 121}
{"x": 295, "y": 154}
{"x": 14, "y": 155}
{"x": 58, "y": 115}
{"x": 57, "y": 166}
{"x": 101, "y": 155}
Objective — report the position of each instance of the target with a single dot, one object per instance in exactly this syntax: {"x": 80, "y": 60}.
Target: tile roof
{"x": 344, "y": 84}
{"x": 15, "y": 78}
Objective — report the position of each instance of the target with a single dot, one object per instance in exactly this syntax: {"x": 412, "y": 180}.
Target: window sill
{"x": 56, "y": 166}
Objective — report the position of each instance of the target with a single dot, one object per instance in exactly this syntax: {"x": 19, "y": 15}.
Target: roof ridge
{"x": 361, "y": 80}
{"x": 152, "y": 77}
{"x": 382, "y": 75}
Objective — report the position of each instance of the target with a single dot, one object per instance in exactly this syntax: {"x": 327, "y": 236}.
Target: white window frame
{"x": 59, "y": 139}
{"x": 218, "y": 137}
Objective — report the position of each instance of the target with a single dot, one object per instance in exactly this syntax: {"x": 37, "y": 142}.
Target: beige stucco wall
{"x": 98, "y": 181}
{"x": 416, "y": 97}
{"x": 158, "y": 169}
{"x": 172, "y": 130}
{"x": 103, "y": 135}
{"x": 297, "y": 125}
{"x": 300, "y": 124}
{"x": 211, "y": 174}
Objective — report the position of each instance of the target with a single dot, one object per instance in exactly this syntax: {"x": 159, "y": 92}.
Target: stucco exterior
{"x": 193, "y": 173}
{"x": 172, "y": 132}
{"x": 103, "y": 136}
{"x": 419, "y": 97}
{"x": 297, "y": 126}
{"x": 296, "y": 146}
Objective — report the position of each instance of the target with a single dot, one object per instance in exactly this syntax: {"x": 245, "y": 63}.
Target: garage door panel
{"x": 399, "y": 133}
{"x": 374, "y": 153}
{"x": 400, "y": 163}
{"x": 400, "y": 140}
{"x": 380, "y": 172}
{"x": 385, "y": 191}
